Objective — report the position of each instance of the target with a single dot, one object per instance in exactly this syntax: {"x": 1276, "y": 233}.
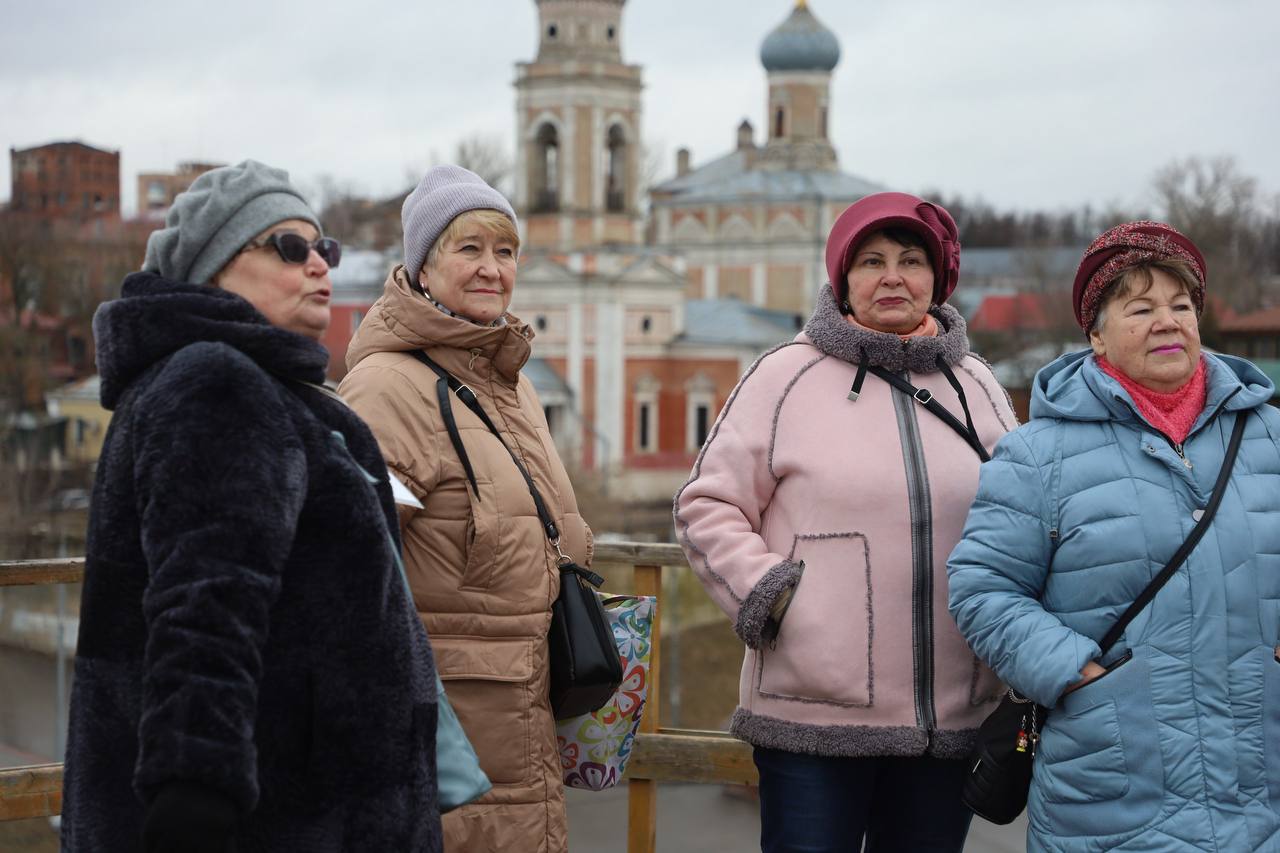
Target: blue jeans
{"x": 817, "y": 804}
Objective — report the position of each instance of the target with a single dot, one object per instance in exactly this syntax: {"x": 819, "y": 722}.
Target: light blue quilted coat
{"x": 1178, "y": 747}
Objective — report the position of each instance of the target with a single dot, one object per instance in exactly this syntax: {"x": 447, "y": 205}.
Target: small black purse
{"x": 997, "y": 786}
{"x": 1001, "y": 761}
{"x": 585, "y": 666}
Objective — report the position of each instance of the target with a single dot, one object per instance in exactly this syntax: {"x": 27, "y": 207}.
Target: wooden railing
{"x": 660, "y": 754}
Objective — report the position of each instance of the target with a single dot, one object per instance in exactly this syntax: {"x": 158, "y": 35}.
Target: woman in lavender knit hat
{"x": 481, "y": 567}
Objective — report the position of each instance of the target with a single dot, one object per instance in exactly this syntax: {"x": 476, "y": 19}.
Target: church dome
{"x": 800, "y": 43}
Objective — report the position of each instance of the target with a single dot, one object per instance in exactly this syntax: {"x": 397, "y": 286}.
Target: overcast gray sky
{"x": 1027, "y": 104}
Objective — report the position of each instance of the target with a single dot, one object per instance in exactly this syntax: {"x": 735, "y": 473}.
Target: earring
{"x": 845, "y": 307}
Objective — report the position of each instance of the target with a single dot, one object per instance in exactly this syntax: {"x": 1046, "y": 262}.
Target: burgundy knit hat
{"x": 1125, "y": 246}
{"x": 895, "y": 210}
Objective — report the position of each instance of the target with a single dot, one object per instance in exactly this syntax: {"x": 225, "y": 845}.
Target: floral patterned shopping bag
{"x": 595, "y": 747}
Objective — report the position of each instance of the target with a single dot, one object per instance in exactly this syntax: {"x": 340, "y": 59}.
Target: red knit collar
{"x": 1173, "y": 413}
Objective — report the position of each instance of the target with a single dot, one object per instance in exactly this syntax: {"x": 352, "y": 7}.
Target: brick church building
{"x": 643, "y": 327}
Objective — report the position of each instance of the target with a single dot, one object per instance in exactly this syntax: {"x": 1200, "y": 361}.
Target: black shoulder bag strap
{"x": 925, "y": 398}
{"x": 1188, "y": 546}
{"x": 446, "y": 382}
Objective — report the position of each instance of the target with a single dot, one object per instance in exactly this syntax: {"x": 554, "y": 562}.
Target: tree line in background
{"x": 1234, "y": 224}
{"x": 58, "y": 273}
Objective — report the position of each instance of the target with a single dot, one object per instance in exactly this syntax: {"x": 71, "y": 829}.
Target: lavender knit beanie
{"x": 442, "y": 194}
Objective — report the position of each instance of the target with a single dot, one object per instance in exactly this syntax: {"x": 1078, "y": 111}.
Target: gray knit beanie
{"x": 443, "y": 193}
{"x": 220, "y": 212}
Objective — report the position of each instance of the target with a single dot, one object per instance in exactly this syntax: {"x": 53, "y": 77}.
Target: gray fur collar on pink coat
{"x": 855, "y": 505}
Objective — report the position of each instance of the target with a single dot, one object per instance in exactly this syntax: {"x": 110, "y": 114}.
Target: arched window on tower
{"x": 822, "y": 122}
{"x": 545, "y": 170}
{"x": 615, "y": 179}
{"x": 779, "y": 123}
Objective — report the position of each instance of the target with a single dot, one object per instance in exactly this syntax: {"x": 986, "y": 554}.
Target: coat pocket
{"x": 481, "y": 532}
{"x": 822, "y": 652}
{"x": 490, "y": 686}
{"x": 1271, "y": 725}
{"x": 1099, "y": 769}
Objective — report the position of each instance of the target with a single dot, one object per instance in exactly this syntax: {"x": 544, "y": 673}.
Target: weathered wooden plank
{"x": 706, "y": 757}
{"x": 642, "y": 816}
{"x": 37, "y": 572}
{"x": 27, "y": 792}
{"x": 638, "y": 553}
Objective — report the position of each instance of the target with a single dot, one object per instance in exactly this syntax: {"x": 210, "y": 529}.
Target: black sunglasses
{"x": 294, "y": 248}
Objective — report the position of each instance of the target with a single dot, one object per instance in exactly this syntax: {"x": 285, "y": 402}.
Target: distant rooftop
{"x": 1266, "y": 320}
{"x": 63, "y": 143}
{"x": 1058, "y": 263}
{"x": 362, "y": 273}
{"x": 731, "y": 322}
{"x": 730, "y": 179}
{"x": 89, "y": 388}
{"x": 1027, "y": 312}
{"x": 545, "y": 380}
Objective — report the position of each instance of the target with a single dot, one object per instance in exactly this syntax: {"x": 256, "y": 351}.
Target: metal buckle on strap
{"x": 462, "y": 386}
{"x": 924, "y": 401}
{"x": 563, "y": 558}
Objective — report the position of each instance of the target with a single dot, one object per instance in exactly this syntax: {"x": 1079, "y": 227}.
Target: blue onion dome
{"x": 800, "y": 43}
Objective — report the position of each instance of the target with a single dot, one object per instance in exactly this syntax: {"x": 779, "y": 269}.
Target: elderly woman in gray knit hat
{"x": 251, "y": 674}
{"x": 482, "y": 569}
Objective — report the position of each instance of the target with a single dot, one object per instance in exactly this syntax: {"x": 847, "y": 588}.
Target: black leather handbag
{"x": 1001, "y": 762}
{"x": 586, "y": 669}
{"x": 585, "y": 666}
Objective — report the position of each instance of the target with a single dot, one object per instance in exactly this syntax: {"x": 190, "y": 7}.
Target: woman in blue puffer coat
{"x": 1171, "y": 740}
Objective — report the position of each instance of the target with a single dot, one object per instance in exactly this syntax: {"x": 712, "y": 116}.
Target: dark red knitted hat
{"x": 1125, "y": 246}
{"x": 896, "y": 210}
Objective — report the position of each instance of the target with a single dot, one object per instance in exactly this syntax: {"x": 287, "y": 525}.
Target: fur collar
{"x": 828, "y": 330}
{"x": 155, "y": 317}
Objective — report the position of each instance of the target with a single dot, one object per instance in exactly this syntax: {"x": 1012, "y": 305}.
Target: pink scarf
{"x": 1173, "y": 413}
{"x": 928, "y": 328}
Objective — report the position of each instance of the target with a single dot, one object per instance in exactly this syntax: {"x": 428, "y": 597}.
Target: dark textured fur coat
{"x": 244, "y": 625}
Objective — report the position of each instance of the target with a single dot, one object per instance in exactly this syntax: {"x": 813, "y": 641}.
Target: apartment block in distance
{"x": 157, "y": 190}
{"x": 65, "y": 181}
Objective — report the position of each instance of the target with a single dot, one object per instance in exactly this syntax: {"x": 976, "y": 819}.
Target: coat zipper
{"x": 921, "y": 563}
{"x": 1179, "y": 448}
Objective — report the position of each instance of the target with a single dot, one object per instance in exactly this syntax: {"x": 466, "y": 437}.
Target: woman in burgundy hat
{"x": 1169, "y": 738}
{"x": 819, "y": 516}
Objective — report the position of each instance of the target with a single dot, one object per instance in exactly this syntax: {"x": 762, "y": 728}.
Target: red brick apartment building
{"x": 65, "y": 181}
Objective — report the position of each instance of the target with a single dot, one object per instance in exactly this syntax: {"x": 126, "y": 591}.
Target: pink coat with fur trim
{"x": 856, "y": 505}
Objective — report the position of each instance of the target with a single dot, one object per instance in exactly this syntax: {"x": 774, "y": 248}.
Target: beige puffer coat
{"x": 482, "y": 571}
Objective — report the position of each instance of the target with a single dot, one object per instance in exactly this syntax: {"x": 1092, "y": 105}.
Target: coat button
{"x": 1197, "y": 515}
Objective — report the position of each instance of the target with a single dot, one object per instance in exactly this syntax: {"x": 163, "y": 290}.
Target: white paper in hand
{"x": 400, "y": 492}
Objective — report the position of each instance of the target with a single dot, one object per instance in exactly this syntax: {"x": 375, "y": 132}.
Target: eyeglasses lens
{"x": 294, "y": 249}
{"x": 329, "y": 249}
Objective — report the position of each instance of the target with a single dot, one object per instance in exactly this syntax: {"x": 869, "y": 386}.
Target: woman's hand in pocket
{"x": 1092, "y": 670}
